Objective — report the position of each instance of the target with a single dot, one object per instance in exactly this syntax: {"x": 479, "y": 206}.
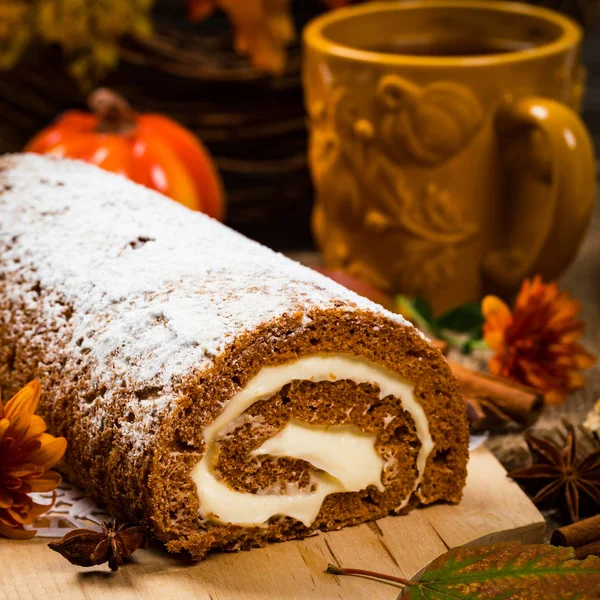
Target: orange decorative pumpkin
{"x": 149, "y": 149}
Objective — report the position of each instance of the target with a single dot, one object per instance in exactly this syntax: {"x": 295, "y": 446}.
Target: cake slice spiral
{"x": 216, "y": 391}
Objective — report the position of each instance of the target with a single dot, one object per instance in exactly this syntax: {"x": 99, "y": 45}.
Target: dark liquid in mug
{"x": 451, "y": 47}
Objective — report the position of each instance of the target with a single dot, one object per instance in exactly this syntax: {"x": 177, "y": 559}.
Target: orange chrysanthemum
{"x": 263, "y": 28}
{"x": 537, "y": 343}
{"x": 27, "y": 454}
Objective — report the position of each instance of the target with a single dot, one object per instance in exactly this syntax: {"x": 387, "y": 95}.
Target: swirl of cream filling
{"x": 346, "y": 456}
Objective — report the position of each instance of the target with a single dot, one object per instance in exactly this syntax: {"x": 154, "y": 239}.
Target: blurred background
{"x": 591, "y": 58}
{"x": 177, "y": 57}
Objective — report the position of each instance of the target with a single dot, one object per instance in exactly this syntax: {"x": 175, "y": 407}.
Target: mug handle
{"x": 550, "y": 183}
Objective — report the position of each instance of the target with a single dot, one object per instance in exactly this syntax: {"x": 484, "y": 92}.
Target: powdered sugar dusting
{"x": 157, "y": 291}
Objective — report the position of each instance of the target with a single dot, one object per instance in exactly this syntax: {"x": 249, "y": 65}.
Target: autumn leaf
{"x": 509, "y": 571}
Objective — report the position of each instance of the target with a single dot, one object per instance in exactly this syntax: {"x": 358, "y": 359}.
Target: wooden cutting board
{"x": 493, "y": 509}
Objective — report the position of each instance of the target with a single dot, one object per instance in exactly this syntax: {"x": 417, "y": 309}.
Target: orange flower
{"x": 536, "y": 344}
{"x": 27, "y": 454}
{"x": 263, "y": 28}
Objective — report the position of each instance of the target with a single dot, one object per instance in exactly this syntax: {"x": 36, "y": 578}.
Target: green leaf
{"x": 511, "y": 571}
{"x": 464, "y": 319}
{"x": 424, "y": 309}
{"x": 417, "y": 311}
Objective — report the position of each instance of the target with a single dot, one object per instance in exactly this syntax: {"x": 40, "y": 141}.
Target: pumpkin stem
{"x": 114, "y": 112}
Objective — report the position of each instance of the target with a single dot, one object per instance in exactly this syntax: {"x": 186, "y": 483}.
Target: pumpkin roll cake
{"x": 210, "y": 388}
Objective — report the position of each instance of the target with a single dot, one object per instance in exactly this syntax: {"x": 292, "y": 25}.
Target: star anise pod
{"x": 86, "y": 547}
{"x": 560, "y": 473}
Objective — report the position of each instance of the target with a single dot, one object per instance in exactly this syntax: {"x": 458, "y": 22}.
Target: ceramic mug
{"x": 445, "y": 146}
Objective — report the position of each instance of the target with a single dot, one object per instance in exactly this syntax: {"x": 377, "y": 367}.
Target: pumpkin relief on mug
{"x": 361, "y": 150}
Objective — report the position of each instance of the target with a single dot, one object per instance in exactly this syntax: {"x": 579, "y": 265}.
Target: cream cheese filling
{"x": 346, "y": 455}
{"x": 343, "y": 451}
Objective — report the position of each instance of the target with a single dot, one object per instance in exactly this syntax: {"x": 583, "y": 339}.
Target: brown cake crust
{"x": 134, "y": 434}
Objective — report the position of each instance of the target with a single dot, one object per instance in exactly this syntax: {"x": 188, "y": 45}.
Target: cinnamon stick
{"x": 592, "y": 549}
{"x": 499, "y": 396}
{"x": 581, "y": 533}
{"x": 483, "y": 415}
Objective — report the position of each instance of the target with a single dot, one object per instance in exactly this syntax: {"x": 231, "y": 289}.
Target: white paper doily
{"x": 477, "y": 439}
{"x": 72, "y": 510}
